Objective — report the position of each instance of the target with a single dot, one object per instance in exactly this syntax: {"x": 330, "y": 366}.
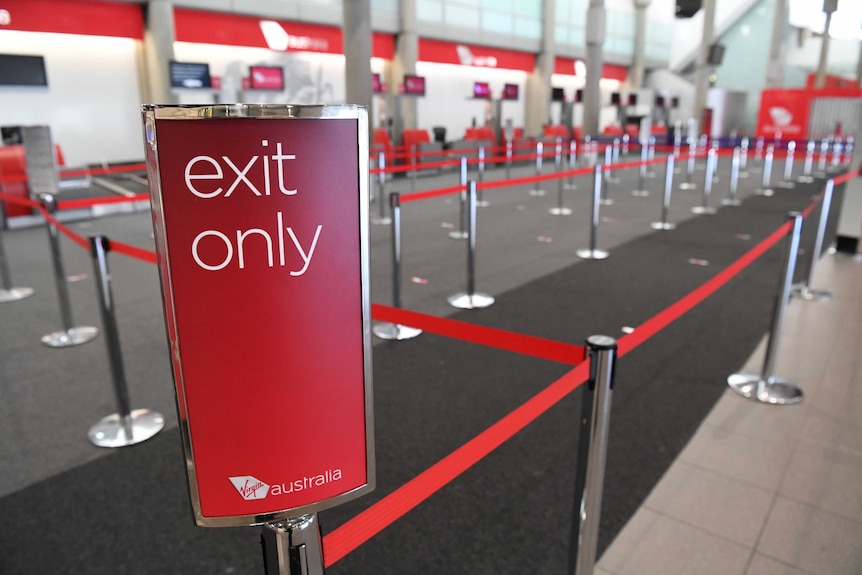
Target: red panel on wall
{"x": 784, "y": 112}
{"x": 382, "y": 46}
{"x": 566, "y": 67}
{"x": 75, "y": 17}
{"x": 477, "y": 56}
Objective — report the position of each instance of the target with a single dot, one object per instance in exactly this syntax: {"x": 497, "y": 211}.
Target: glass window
{"x": 497, "y": 22}
{"x": 462, "y": 16}
{"x": 429, "y": 11}
{"x": 528, "y": 28}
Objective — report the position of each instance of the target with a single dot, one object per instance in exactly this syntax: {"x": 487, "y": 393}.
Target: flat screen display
{"x": 674, "y": 102}
{"x": 266, "y": 78}
{"x": 558, "y": 95}
{"x": 615, "y": 98}
{"x": 633, "y": 100}
{"x": 376, "y": 83}
{"x": 482, "y": 90}
{"x": 659, "y": 102}
{"x": 414, "y": 85}
{"x": 510, "y": 91}
{"x": 579, "y": 95}
{"x": 190, "y": 75}
{"x": 22, "y": 70}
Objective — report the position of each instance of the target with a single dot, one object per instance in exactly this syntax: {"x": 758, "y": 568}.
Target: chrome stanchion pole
{"x": 395, "y": 331}
{"x": 837, "y": 147}
{"x": 665, "y": 202}
{"x": 758, "y": 149}
{"x": 508, "y": 159}
{"x": 414, "y": 162}
{"x": 705, "y": 208}
{"x": 538, "y": 191}
{"x": 381, "y": 219}
{"x": 804, "y": 290}
{"x": 848, "y": 149}
{"x": 641, "y": 190}
{"x": 609, "y": 162}
{"x": 764, "y": 189}
{"x": 573, "y": 164}
{"x": 461, "y": 233}
{"x": 806, "y": 177}
{"x": 126, "y": 427}
{"x": 787, "y": 178}
{"x": 560, "y": 209}
{"x": 689, "y": 168}
{"x": 766, "y": 387}
{"x": 293, "y": 547}
{"x": 470, "y": 299}
{"x": 614, "y": 161}
{"x": 593, "y": 434}
{"x": 821, "y": 159}
{"x": 731, "y": 199}
{"x": 8, "y": 293}
{"x": 626, "y": 140}
{"x": 743, "y": 158}
{"x": 71, "y": 334}
{"x": 592, "y": 253}
{"x": 482, "y": 203}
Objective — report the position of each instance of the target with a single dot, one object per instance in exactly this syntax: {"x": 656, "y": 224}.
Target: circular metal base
{"x": 592, "y": 254}
{"x": 805, "y": 179}
{"x": 73, "y": 336}
{"x": 118, "y": 431}
{"x": 378, "y": 221}
{"x": 775, "y": 390}
{"x": 662, "y": 226}
{"x": 470, "y": 301}
{"x": 804, "y": 293}
{"x": 687, "y": 186}
{"x": 707, "y": 210}
{"x": 640, "y": 193}
{"x": 394, "y": 331}
{"x": 743, "y": 174}
{"x": 612, "y": 181}
{"x": 456, "y": 235}
{"x": 765, "y": 192}
{"x": 15, "y": 294}
{"x": 731, "y": 202}
{"x": 537, "y": 192}
{"x": 606, "y": 202}
{"x": 570, "y": 186}
{"x": 560, "y": 211}
{"x": 786, "y": 185}
{"x": 482, "y": 203}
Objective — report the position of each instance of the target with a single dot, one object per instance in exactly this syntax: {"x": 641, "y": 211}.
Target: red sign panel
{"x": 783, "y": 114}
{"x": 260, "y": 215}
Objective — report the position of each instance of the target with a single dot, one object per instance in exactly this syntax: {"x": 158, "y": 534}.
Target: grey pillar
{"x": 829, "y": 6}
{"x": 356, "y": 29}
{"x": 404, "y": 62}
{"x": 775, "y": 65}
{"x": 636, "y": 73}
{"x": 538, "y": 96}
{"x": 159, "y": 36}
{"x": 595, "y": 41}
{"x": 703, "y": 69}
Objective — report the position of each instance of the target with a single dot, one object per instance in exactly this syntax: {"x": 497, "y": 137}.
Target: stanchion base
{"x": 707, "y": 210}
{"x": 804, "y": 293}
{"x": 456, "y": 235}
{"x": 805, "y": 179}
{"x": 570, "y": 186}
{"x": 394, "y": 331}
{"x": 743, "y": 174}
{"x": 662, "y": 226}
{"x": 73, "y": 336}
{"x": 378, "y": 221}
{"x": 686, "y": 186}
{"x": 640, "y": 193}
{"x": 118, "y": 431}
{"x": 587, "y": 254}
{"x": 537, "y": 192}
{"x": 558, "y": 211}
{"x": 482, "y": 203}
{"x": 471, "y": 301}
{"x": 612, "y": 181}
{"x": 765, "y": 192}
{"x": 786, "y": 185}
{"x": 606, "y": 202}
{"x": 775, "y": 390}
{"x": 15, "y": 294}
{"x": 731, "y": 202}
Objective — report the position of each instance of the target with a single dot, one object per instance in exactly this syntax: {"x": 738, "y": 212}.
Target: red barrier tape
{"x": 80, "y": 240}
{"x": 133, "y": 251}
{"x": 497, "y": 338}
{"x": 370, "y": 522}
{"x": 430, "y": 194}
{"x": 19, "y": 200}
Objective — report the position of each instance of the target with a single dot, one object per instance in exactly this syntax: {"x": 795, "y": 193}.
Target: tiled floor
{"x": 763, "y": 489}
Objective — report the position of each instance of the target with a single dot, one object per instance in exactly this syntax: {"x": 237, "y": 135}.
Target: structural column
{"x": 703, "y": 69}
{"x": 538, "y": 96}
{"x": 829, "y": 6}
{"x": 404, "y": 62}
{"x": 595, "y": 42}
{"x": 357, "y": 53}
{"x": 159, "y": 36}
{"x": 636, "y": 72}
{"x": 775, "y": 65}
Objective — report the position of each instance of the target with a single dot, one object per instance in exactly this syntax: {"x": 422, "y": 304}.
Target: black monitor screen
{"x": 510, "y": 91}
{"x": 633, "y": 99}
{"x": 558, "y": 95}
{"x": 659, "y": 102}
{"x": 414, "y": 85}
{"x": 579, "y": 95}
{"x": 674, "y": 102}
{"x": 482, "y": 90}
{"x": 190, "y": 75}
{"x": 20, "y": 70}
{"x": 715, "y": 55}
{"x": 615, "y": 98}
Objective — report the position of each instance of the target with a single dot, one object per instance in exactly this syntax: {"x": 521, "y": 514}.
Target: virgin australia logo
{"x": 250, "y": 487}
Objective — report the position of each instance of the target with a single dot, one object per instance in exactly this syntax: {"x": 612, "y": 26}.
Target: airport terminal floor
{"x": 699, "y": 480}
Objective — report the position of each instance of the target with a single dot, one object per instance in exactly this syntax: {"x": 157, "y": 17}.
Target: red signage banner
{"x": 260, "y": 214}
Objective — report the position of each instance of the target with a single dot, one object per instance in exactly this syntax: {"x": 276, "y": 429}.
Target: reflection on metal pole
{"x": 293, "y": 547}
{"x": 592, "y": 253}
{"x": 804, "y": 290}
{"x": 470, "y": 299}
{"x": 665, "y": 202}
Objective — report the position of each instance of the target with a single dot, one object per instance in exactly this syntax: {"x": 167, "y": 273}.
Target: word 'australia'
{"x": 327, "y": 476}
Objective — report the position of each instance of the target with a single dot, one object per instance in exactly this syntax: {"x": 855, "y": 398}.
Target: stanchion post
{"x": 609, "y": 162}
{"x": 641, "y": 190}
{"x": 414, "y": 162}
{"x": 8, "y": 293}
{"x": 705, "y": 208}
{"x": 837, "y": 151}
{"x": 482, "y": 203}
{"x": 538, "y": 191}
{"x": 593, "y": 435}
{"x": 766, "y": 387}
{"x": 743, "y": 158}
{"x": 572, "y": 164}
{"x": 689, "y": 166}
{"x": 804, "y": 290}
{"x": 71, "y": 334}
{"x": 732, "y": 199}
{"x": 395, "y": 331}
{"x": 764, "y": 189}
{"x": 615, "y": 159}
{"x": 806, "y": 177}
{"x": 126, "y": 427}
{"x": 665, "y": 201}
{"x": 381, "y": 219}
{"x": 508, "y": 159}
{"x": 821, "y": 158}
{"x": 461, "y": 232}
{"x": 592, "y": 253}
{"x": 471, "y": 299}
{"x": 787, "y": 177}
{"x": 293, "y": 547}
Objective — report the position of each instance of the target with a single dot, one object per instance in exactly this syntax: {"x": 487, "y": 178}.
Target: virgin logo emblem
{"x": 781, "y": 116}
{"x": 250, "y": 487}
